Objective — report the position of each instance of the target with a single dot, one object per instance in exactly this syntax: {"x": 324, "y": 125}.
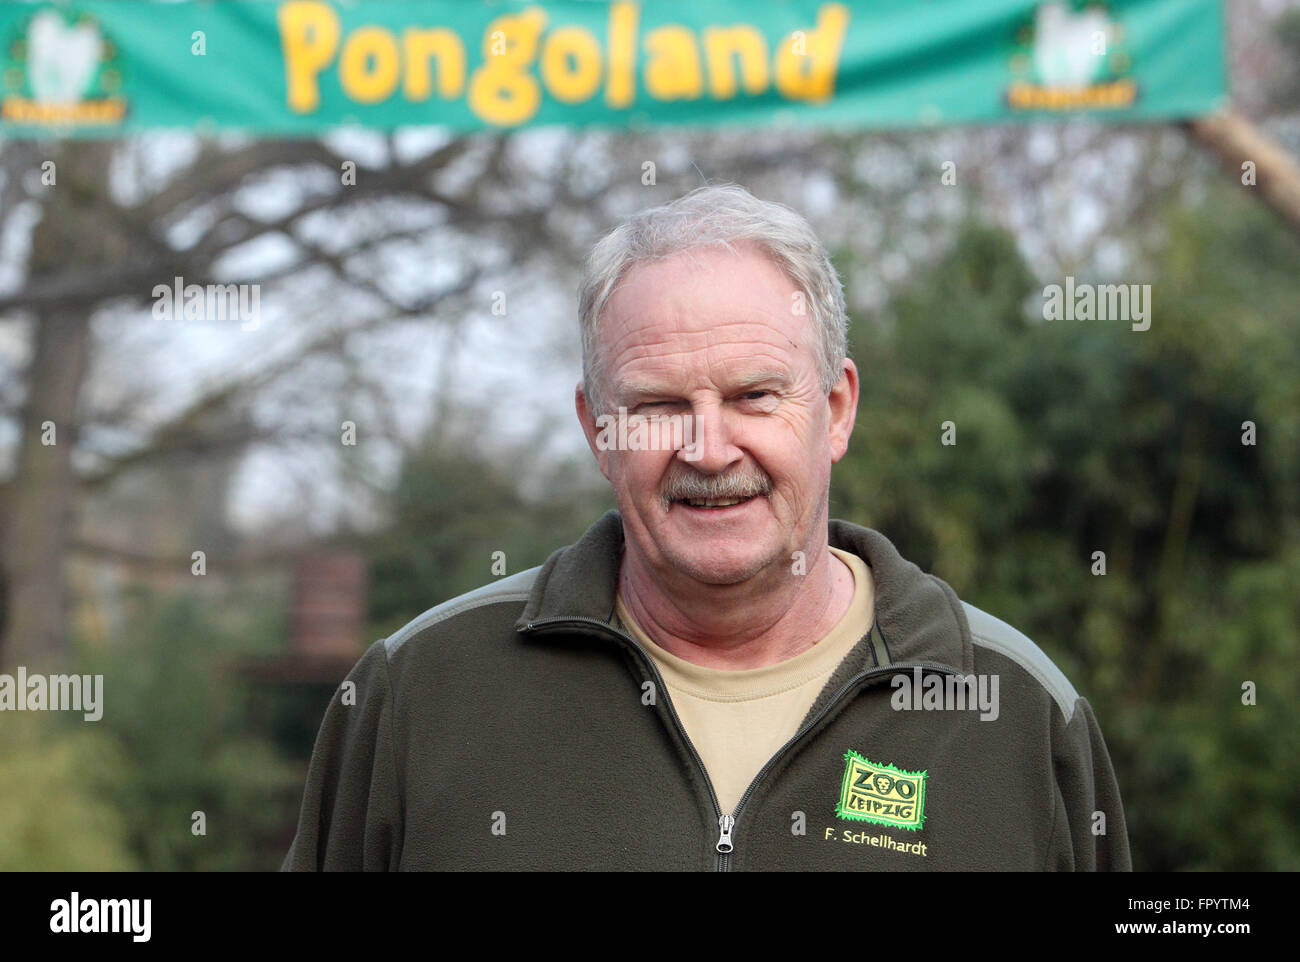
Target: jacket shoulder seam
{"x": 996, "y": 635}
{"x": 516, "y": 587}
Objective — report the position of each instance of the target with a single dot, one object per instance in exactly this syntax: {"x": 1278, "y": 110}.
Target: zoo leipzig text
{"x": 374, "y": 62}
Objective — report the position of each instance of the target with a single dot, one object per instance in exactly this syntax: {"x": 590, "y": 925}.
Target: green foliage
{"x": 1083, "y": 436}
{"x": 187, "y": 724}
{"x": 53, "y": 814}
{"x": 451, "y": 509}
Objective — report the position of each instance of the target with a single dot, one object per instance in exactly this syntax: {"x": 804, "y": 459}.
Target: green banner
{"x": 298, "y": 67}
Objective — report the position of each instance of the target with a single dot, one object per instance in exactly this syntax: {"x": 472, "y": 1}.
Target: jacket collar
{"x": 919, "y": 616}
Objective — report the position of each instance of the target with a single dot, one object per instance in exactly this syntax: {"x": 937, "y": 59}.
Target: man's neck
{"x": 740, "y": 626}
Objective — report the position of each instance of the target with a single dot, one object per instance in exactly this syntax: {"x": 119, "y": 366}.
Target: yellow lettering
{"x": 420, "y": 46}
{"x": 622, "y": 54}
{"x": 673, "y": 71}
{"x": 571, "y": 65}
{"x": 501, "y": 91}
{"x": 721, "y": 44}
{"x": 309, "y": 35}
{"x": 370, "y": 65}
{"x": 811, "y": 76}
{"x": 571, "y": 84}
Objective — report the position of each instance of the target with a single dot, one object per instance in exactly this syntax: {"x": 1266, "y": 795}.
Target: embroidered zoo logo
{"x": 60, "y": 68}
{"x": 881, "y": 793}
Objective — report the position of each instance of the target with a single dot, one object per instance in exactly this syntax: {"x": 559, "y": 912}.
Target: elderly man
{"x": 717, "y": 675}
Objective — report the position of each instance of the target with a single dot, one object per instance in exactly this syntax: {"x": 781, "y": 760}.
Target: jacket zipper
{"x": 661, "y": 689}
{"x": 727, "y": 823}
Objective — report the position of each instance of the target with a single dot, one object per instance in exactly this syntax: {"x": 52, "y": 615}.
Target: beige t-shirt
{"x": 737, "y": 720}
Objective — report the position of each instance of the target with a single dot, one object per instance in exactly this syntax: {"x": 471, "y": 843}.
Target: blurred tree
{"x": 192, "y": 742}
{"x": 447, "y": 534}
{"x": 78, "y": 228}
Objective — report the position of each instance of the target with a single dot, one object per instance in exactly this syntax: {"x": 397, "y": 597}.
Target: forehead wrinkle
{"x": 703, "y": 348}
{"x": 687, "y": 327}
{"x": 762, "y": 346}
{"x": 702, "y": 320}
{"x": 645, "y": 339}
{"x": 714, "y": 357}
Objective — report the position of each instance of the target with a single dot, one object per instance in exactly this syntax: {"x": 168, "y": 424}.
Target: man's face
{"x": 721, "y": 338}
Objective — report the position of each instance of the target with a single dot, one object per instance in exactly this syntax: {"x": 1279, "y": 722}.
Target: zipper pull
{"x": 726, "y": 823}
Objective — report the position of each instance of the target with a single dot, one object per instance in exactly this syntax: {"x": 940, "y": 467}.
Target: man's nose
{"x": 708, "y": 445}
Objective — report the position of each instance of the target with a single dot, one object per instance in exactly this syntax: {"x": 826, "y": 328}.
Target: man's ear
{"x": 843, "y": 402}
{"x": 593, "y": 430}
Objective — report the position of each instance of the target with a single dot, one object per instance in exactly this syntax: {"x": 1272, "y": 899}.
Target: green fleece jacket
{"x": 514, "y": 728}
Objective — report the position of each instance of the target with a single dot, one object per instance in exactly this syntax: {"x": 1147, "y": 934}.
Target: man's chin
{"x": 723, "y": 568}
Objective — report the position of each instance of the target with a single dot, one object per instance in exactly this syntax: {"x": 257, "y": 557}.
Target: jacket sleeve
{"x": 351, "y": 816}
{"x": 1090, "y": 834}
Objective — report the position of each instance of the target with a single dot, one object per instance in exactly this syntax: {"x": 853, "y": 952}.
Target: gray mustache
{"x": 695, "y": 486}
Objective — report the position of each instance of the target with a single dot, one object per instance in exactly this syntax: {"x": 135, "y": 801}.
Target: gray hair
{"x": 719, "y": 215}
